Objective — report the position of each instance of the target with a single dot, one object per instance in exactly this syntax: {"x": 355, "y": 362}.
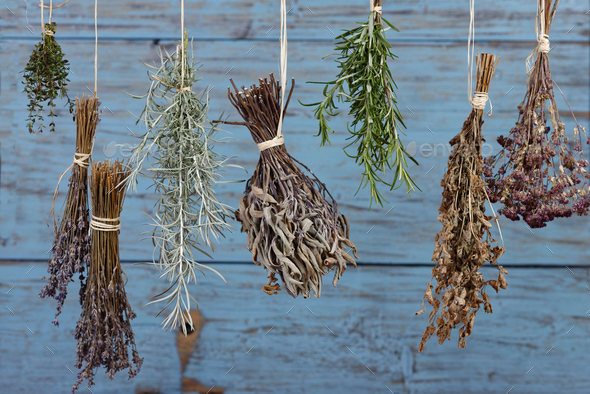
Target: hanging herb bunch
{"x": 540, "y": 176}
{"x": 104, "y": 331}
{"x": 465, "y": 244}
{"x": 46, "y": 79}
{"x": 177, "y": 154}
{"x": 295, "y": 230}
{"x": 71, "y": 247}
{"x": 365, "y": 82}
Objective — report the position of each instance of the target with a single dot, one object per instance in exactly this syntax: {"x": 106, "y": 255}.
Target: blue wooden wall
{"x": 373, "y": 347}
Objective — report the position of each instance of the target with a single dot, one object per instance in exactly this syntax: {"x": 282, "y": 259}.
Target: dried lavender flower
{"x": 465, "y": 243}
{"x": 293, "y": 230}
{"x": 540, "y": 177}
{"x": 177, "y": 154}
{"x": 71, "y": 247}
{"x": 104, "y": 331}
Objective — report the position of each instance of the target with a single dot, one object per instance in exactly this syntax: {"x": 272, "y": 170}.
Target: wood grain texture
{"x": 359, "y": 337}
{"x": 432, "y": 92}
{"x": 249, "y": 19}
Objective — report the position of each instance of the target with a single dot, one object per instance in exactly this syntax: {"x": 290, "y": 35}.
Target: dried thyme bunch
{"x": 104, "y": 331}
{"x": 46, "y": 79}
{"x": 366, "y": 84}
{"x": 71, "y": 247}
{"x": 178, "y": 151}
{"x": 293, "y": 231}
{"x": 464, "y": 244}
{"x": 541, "y": 177}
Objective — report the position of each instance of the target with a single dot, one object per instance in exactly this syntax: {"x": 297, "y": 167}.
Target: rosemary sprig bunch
{"x": 365, "y": 83}
{"x": 71, "y": 247}
{"x": 177, "y": 154}
{"x": 465, "y": 243}
{"x": 540, "y": 177}
{"x": 46, "y": 79}
{"x": 104, "y": 331}
{"x": 293, "y": 230}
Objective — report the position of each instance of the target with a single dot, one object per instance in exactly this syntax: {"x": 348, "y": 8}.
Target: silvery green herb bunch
{"x": 365, "y": 83}
{"x": 540, "y": 176}
{"x": 295, "y": 230}
{"x": 104, "y": 331}
{"x": 71, "y": 247}
{"x": 465, "y": 243}
{"x": 177, "y": 154}
{"x": 46, "y": 79}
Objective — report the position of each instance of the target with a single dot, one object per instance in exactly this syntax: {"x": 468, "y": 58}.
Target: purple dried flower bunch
{"x": 71, "y": 247}
{"x": 104, "y": 333}
{"x": 465, "y": 244}
{"x": 542, "y": 173}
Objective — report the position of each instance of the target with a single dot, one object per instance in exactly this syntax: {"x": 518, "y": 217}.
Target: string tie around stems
{"x": 105, "y": 224}
{"x": 276, "y": 141}
{"x": 544, "y": 46}
{"x": 479, "y": 100}
{"x": 48, "y": 32}
{"x": 81, "y": 159}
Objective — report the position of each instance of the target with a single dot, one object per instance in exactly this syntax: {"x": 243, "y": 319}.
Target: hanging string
{"x": 95, "y": 47}
{"x": 479, "y": 99}
{"x": 543, "y": 45}
{"x": 50, "y": 10}
{"x": 182, "y": 44}
{"x": 283, "y": 72}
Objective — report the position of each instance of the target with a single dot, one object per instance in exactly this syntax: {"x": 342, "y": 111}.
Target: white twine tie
{"x": 278, "y": 139}
{"x": 479, "y": 100}
{"x": 105, "y": 224}
{"x": 81, "y": 159}
{"x": 543, "y": 44}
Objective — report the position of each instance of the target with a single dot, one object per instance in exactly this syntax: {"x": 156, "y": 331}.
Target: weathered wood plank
{"x": 358, "y": 337}
{"x": 247, "y": 19}
{"x": 432, "y": 84}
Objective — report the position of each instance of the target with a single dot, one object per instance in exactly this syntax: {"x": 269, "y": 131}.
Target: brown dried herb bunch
{"x": 71, "y": 247}
{"x": 465, "y": 243}
{"x": 46, "y": 79}
{"x": 104, "y": 331}
{"x": 540, "y": 176}
{"x": 293, "y": 230}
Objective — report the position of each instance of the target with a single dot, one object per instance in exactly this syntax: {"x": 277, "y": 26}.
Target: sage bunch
{"x": 465, "y": 243}
{"x": 177, "y": 154}
{"x": 366, "y": 84}
{"x": 294, "y": 227}
{"x": 70, "y": 252}
{"x": 542, "y": 174}
{"x": 103, "y": 332}
{"x": 46, "y": 79}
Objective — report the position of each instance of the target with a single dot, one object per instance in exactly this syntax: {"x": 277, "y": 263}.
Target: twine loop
{"x": 81, "y": 159}
{"x": 544, "y": 46}
{"x": 276, "y": 141}
{"x": 479, "y": 100}
{"x": 105, "y": 224}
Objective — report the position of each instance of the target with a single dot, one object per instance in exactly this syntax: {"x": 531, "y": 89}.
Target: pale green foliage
{"x": 177, "y": 154}
{"x": 366, "y": 84}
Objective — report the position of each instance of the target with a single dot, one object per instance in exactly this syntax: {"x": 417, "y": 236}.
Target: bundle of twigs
{"x": 541, "y": 177}
{"x": 177, "y": 153}
{"x": 104, "y": 332}
{"x": 464, "y": 244}
{"x": 71, "y": 246}
{"x": 365, "y": 82}
{"x": 293, "y": 230}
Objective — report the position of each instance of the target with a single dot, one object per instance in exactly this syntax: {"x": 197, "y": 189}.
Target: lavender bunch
{"x": 71, "y": 247}
{"x": 104, "y": 331}
{"x": 541, "y": 177}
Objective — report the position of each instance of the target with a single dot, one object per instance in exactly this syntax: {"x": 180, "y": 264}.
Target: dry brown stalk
{"x": 293, "y": 231}
{"x": 464, "y": 244}
{"x": 71, "y": 246}
{"x": 104, "y": 331}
